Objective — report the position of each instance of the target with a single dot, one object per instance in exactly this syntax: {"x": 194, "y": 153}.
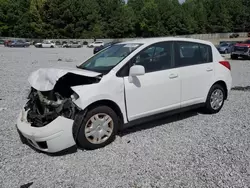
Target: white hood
{"x": 45, "y": 79}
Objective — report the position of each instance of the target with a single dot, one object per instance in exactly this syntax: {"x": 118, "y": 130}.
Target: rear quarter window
{"x": 206, "y": 53}
{"x": 191, "y": 53}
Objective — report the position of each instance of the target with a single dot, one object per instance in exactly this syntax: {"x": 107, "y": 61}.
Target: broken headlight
{"x": 74, "y": 96}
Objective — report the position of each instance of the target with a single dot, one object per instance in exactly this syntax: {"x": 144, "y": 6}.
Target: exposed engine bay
{"x": 45, "y": 106}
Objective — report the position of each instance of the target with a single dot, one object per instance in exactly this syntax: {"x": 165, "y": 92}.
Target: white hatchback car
{"x": 96, "y": 44}
{"x": 46, "y": 44}
{"x": 126, "y": 83}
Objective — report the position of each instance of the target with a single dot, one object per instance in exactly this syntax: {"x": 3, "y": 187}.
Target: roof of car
{"x": 149, "y": 41}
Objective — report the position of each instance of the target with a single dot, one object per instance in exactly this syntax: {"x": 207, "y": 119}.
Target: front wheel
{"x": 98, "y": 128}
{"x": 215, "y": 99}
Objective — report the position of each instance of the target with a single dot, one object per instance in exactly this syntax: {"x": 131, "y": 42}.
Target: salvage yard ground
{"x": 186, "y": 150}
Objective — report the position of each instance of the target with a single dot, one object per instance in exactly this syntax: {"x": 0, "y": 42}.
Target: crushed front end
{"x": 44, "y": 107}
{"x": 46, "y": 120}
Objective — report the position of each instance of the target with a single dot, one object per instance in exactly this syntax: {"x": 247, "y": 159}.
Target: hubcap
{"x": 99, "y": 128}
{"x": 216, "y": 99}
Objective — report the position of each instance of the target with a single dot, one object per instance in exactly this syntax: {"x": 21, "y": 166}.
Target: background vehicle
{"x": 120, "y": 86}
{"x": 58, "y": 43}
{"x": 37, "y": 41}
{"x": 241, "y": 50}
{"x": 1, "y": 42}
{"x": 96, "y": 44}
{"x": 225, "y": 47}
{"x": 18, "y": 43}
{"x": 85, "y": 43}
{"x": 72, "y": 45}
{"x": 248, "y": 34}
{"x": 234, "y": 35}
{"x": 99, "y": 48}
{"x": 45, "y": 44}
{"x": 7, "y": 42}
{"x": 28, "y": 42}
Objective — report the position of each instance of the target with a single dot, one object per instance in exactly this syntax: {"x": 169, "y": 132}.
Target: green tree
{"x": 150, "y": 21}
{"x": 115, "y": 19}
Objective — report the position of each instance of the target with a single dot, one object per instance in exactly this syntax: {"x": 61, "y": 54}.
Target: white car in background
{"x": 123, "y": 85}
{"x": 46, "y": 44}
{"x": 96, "y": 44}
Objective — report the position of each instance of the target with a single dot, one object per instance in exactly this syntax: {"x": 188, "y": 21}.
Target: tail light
{"x": 225, "y": 64}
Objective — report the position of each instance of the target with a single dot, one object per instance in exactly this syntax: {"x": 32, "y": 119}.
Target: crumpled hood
{"x": 44, "y": 79}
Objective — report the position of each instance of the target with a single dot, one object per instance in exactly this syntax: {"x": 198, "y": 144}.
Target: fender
{"x": 111, "y": 90}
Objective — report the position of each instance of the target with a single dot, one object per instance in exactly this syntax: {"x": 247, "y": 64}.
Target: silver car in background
{"x": 225, "y": 47}
{"x": 72, "y": 45}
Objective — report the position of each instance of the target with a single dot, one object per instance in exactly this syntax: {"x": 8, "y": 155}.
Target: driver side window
{"x": 155, "y": 58}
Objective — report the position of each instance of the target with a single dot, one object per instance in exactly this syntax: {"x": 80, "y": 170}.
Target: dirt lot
{"x": 187, "y": 150}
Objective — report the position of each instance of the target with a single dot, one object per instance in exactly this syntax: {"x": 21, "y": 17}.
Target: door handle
{"x": 171, "y": 76}
{"x": 209, "y": 69}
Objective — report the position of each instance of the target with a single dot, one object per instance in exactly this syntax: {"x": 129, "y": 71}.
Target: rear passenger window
{"x": 190, "y": 53}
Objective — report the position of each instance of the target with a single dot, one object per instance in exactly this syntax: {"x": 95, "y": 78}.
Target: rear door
{"x": 195, "y": 63}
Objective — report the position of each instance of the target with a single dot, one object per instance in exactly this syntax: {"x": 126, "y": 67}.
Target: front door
{"x": 159, "y": 89}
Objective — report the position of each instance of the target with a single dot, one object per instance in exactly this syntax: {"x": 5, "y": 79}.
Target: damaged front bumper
{"x": 46, "y": 121}
{"x": 54, "y": 137}
{"x": 47, "y": 124}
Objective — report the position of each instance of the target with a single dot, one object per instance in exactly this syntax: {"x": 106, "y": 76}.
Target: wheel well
{"x": 223, "y": 84}
{"x": 110, "y": 104}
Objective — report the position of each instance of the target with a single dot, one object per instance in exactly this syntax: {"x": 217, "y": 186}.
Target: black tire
{"x": 234, "y": 57}
{"x": 81, "y": 139}
{"x": 208, "y": 107}
{"x": 51, "y": 46}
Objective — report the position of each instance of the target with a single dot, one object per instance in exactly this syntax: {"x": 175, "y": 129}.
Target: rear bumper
{"x": 52, "y": 138}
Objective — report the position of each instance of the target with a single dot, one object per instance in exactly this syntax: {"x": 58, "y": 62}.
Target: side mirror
{"x": 136, "y": 70}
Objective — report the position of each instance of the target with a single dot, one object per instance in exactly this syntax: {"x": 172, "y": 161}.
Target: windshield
{"x": 105, "y": 60}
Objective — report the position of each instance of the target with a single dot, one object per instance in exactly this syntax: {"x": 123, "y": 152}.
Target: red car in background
{"x": 7, "y": 42}
{"x": 241, "y": 49}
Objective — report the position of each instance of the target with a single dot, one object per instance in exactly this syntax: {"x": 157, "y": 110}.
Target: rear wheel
{"x": 215, "y": 99}
{"x": 98, "y": 128}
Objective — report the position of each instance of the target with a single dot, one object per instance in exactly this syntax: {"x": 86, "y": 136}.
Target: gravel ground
{"x": 187, "y": 150}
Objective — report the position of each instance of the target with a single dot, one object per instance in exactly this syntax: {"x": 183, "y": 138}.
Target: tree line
{"x": 117, "y": 19}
